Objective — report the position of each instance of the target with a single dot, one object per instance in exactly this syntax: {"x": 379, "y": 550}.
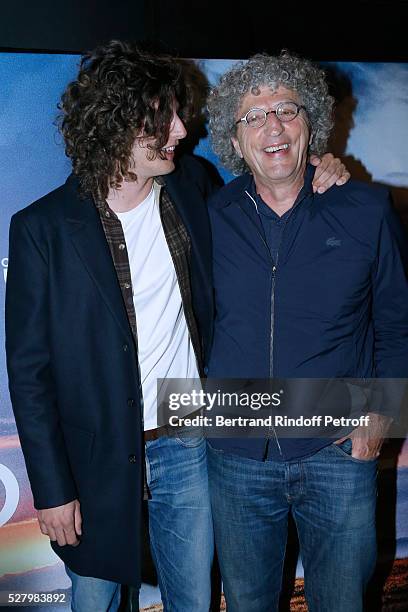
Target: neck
{"x": 129, "y": 195}
{"x": 280, "y": 197}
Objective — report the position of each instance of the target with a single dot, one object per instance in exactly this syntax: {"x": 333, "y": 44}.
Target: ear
{"x": 236, "y": 146}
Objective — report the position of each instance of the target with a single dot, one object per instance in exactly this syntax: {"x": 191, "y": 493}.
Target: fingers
{"x": 60, "y": 524}
{"x": 60, "y": 536}
{"x": 329, "y": 171}
{"x": 43, "y": 527}
{"x": 78, "y": 519}
{"x": 344, "y": 178}
{"x": 365, "y": 448}
{"x": 63, "y": 533}
{"x": 324, "y": 163}
{"x": 69, "y": 535}
{"x": 47, "y": 529}
{"x": 341, "y": 440}
{"x": 315, "y": 160}
{"x": 366, "y": 455}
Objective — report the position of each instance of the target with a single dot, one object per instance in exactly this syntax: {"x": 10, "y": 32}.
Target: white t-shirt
{"x": 165, "y": 348}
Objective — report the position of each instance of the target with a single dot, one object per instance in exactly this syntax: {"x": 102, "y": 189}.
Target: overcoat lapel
{"x": 89, "y": 240}
{"x": 195, "y": 218}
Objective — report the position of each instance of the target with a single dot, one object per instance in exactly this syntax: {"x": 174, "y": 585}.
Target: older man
{"x": 307, "y": 286}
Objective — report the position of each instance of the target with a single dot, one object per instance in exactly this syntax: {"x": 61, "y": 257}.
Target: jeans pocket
{"x": 189, "y": 436}
{"x": 345, "y": 449}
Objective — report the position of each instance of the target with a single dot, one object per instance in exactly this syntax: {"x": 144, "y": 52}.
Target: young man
{"x": 109, "y": 288}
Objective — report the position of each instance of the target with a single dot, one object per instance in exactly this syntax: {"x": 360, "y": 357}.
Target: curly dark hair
{"x": 121, "y": 90}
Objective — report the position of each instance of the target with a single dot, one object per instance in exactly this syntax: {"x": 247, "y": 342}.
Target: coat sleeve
{"x": 32, "y": 389}
{"x": 390, "y": 312}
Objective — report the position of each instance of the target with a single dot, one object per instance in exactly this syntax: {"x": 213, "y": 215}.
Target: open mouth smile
{"x": 276, "y": 148}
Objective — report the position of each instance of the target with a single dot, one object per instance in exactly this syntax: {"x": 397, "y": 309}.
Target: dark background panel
{"x": 362, "y": 30}
{"x": 69, "y": 25}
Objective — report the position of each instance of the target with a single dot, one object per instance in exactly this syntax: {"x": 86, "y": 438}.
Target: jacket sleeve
{"x": 390, "y": 312}
{"x": 32, "y": 389}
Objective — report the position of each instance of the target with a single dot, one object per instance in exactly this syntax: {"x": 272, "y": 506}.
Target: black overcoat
{"x": 73, "y": 370}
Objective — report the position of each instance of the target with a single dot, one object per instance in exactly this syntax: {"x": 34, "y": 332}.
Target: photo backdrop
{"x": 372, "y": 135}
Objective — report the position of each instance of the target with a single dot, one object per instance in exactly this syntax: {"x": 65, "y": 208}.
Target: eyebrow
{"x": 277, "y": 104}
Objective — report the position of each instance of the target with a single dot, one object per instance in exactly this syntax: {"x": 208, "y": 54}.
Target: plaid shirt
{"x": 179, "y": 245}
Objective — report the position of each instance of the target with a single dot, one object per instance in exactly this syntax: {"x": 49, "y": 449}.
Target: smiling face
{"x": 276, "y": 153}
{"x": 163, "y": 162}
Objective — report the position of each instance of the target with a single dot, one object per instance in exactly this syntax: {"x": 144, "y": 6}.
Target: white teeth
{"x": 170, "y": 149}
{"x": 277, "y": 148}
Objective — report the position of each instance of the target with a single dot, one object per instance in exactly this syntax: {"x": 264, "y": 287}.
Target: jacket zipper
{"x": 274, "y": 270}
{"x": 271, "y": 337}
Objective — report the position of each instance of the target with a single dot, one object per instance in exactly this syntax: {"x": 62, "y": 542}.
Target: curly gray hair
{"x": 261, "y": 69}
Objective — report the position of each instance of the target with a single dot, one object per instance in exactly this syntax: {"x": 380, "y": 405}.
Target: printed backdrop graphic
{"x": 32, "y": 163}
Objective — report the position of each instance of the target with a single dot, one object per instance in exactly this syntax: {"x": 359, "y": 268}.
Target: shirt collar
{"x": 104, "y": 207}
{"x": 307, "y": 190}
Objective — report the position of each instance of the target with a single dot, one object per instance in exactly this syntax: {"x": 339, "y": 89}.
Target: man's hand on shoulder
{"x": 62, "y": 524}
{"x": 329, "y": 171}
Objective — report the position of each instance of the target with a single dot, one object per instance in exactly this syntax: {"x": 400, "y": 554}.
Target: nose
{"x": 177, "y": 129}
{"x": 273, "y": 124}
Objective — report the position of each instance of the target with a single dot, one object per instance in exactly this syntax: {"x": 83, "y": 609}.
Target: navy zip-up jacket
{"x": 334, "y": 304}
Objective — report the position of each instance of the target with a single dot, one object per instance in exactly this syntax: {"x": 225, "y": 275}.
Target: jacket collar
{"x": 235, "y": 190}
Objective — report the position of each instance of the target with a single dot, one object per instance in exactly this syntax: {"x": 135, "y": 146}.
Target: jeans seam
{"x": 212, "y": 449}
{"x": 286, "y": 483}
{"x": 159, "y": 571}
{"x": 302, "y": 479}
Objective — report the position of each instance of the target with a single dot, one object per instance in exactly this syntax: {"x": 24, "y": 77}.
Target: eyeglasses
{"x": 285, "y": 112}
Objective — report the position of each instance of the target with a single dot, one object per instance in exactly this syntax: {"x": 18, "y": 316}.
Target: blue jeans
{"x": 93, "y": 593}
{"x": 332, "y": 497}
{"x": 180, "y": 524}
{"x": 180, "y": 527}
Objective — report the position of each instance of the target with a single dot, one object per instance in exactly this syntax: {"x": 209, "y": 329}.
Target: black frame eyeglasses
{"x": 285, "y": 112}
